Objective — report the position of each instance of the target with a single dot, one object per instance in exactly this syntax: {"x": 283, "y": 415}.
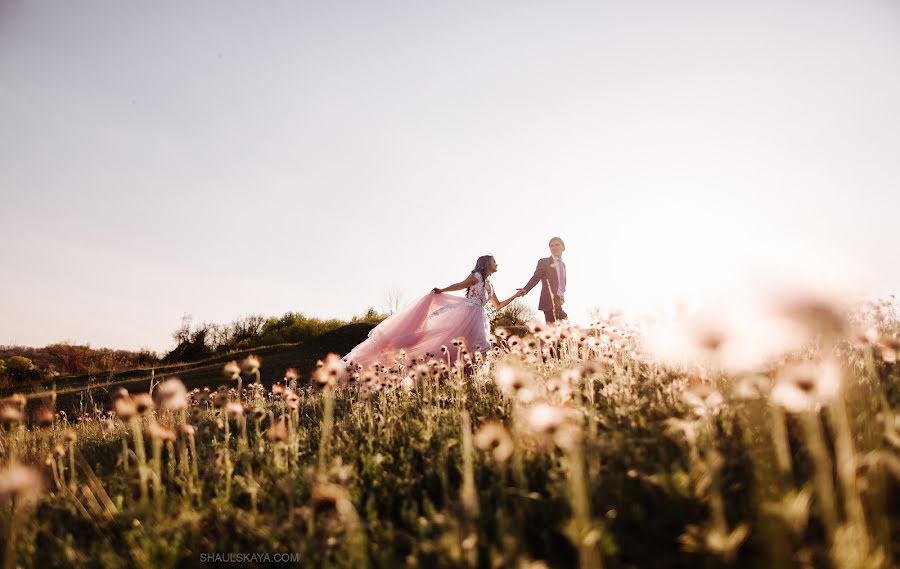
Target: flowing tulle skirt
{"x": 433, "y": 321}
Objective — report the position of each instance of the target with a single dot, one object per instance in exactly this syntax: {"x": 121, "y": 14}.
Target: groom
{"x": 551, "y": 272}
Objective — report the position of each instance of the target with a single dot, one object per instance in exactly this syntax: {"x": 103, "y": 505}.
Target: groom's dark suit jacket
{"x": 546, "y": 274}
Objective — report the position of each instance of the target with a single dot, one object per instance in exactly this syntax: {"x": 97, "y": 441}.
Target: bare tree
{"x": 393, "y": 299}
{"x": 72, "y": 359}
{"x": 516, "y": 313}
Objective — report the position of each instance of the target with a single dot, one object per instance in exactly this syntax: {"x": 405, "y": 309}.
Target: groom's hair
{"x": 560, "y": 242}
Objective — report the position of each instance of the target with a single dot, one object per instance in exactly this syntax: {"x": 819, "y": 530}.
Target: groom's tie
{"x": 562, "y": 275}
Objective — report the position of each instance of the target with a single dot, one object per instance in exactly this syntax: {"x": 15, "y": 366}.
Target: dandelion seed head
{"x": 703, "y": 399}
{"x": 512, "y": 377}
{"x": 869, "y": 335}
{"x": 22, "y": 483}
{"x": 544, "y": 418}
{"x": 278, "y": 432}
{"x": 251, "y": 364}
{"x": 107, "y": 425}
{"x": 820, "y": 312}
{"x": 889, "y": 348}
{"x": 494, "y": 438}
{"x": 232, "y": 370}
{"x": 44, "y": 417}
{"x": 143, "y": 403}
{"x": 571, "y": 376}
{"x": 752, "y": 387}
{"x": 10, "y": 414}
{"x": 234, "y": 409}
{"x": 332, "y": 371}
{"x": 328, "y": 496}
{"x": 160, "y": 432}
{"x": 805, "y": 386}
{"x": 171, "y": 395}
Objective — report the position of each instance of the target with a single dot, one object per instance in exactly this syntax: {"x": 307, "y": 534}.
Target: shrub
{"x": 21, "y": 368}
{"x": 204, "y": 340}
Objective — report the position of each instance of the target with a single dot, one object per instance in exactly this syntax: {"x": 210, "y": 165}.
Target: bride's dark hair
{"x": 481, "y": 267}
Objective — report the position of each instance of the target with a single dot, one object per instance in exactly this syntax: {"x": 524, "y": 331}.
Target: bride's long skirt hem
{"x": 422, "y": 329}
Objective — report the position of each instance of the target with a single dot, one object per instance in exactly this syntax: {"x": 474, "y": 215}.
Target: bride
{"x": 435, "y": 321}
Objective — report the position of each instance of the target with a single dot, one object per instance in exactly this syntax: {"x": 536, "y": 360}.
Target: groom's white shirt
{"x": 560, "y": 275}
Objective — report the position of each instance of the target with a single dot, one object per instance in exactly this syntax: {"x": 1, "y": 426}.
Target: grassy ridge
{"x": 75, "y": 393}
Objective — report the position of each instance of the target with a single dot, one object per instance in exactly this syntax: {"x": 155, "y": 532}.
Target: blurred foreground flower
{"x": 234, "y": 409}
{"x": 143, "y": 403}
{"x": 171, "y": 395}
{"x": 513, "y": 378}
{"x": 20, "y": 482}
{"x": 10, "y": 415}
{"x": 703, "y": 399}
{"x": 278, "y": 432}
{"x": 331, "y": 371}
{"x": 820, "y": 313}
{"x": 889, "y": 348}
{"x": 250, "y": 364}
{"x": 494, "y": 438}
{"x": 328, "y": 496}
{"x": 751, "y": 329}
{"x": 553, "y": 424}
{"x": 160, "y": 432}
{"x": 806, "y": 386}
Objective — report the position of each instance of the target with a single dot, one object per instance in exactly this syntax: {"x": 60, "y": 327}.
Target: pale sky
{"x": 231, "y": 158}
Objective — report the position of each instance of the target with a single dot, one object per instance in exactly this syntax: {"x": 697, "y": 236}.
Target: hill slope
{"x": 77, "y": 392}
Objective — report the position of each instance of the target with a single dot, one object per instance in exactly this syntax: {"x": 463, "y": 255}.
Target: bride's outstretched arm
{"x": 458, "y": 286}
{"x": 501, "y": 305}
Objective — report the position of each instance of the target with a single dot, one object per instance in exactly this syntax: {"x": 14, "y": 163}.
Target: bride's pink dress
{"x": 432, "y": 321}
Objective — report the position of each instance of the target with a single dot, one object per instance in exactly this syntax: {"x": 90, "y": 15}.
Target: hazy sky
{"x": 230, "y": 158}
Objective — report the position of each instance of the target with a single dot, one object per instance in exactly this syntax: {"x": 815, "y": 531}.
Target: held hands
{"x": 521, "y": 292}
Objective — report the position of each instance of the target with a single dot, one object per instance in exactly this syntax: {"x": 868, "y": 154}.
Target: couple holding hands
{"x": 436, "y": 319}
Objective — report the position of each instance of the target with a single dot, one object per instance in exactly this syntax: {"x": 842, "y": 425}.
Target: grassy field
{"x": 569, "y": 447}
{"x": 76, "y": 395}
